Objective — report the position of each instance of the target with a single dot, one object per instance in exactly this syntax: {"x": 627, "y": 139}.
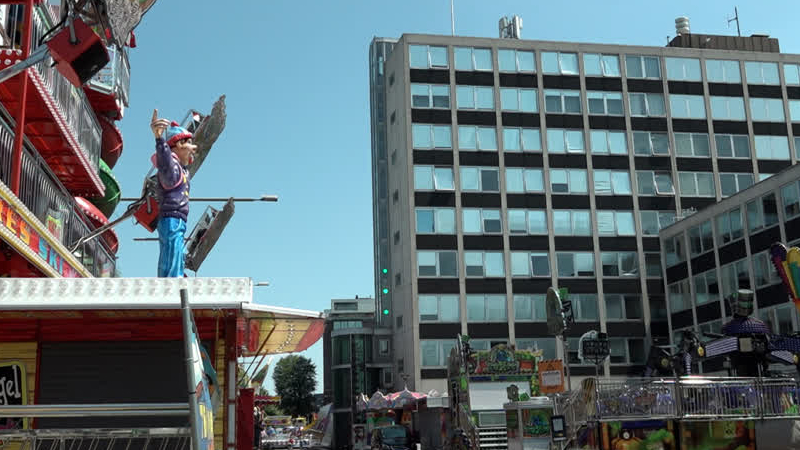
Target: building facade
{"x": 516, "y": 165}
{"x": 709, "y": 255}
{"x": 357, "y": 360}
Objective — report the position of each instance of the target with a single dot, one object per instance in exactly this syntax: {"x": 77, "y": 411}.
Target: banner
{"x": 201, "y": 409}
{"x": 13, "y": 391}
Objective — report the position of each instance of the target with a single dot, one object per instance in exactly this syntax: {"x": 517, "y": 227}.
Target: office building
{"x": 356, "y": 361}
{"x": 709, "y": 255}
{"x": 514, "y": 165}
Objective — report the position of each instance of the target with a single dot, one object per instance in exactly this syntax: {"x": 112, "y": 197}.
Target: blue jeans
{"x": 170, "y": 240}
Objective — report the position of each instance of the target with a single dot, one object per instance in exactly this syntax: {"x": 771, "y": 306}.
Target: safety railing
{"x": 690, "y": 398}
{"x": 70, "y": 101}
{"x": 50, "y": 202}
{"x": 115, "y": 77}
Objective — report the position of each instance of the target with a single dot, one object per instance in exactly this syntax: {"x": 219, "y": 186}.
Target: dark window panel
{"x": 434, "y": 199}
{"x": 440, "y": 116}
{"x": 475, "y": 78}
{"x": 434, "y": 157}
{"x": 430, "y": 76}
{"x": 487, "y": 118}
{"x": 522, "y": 80}
{"x": 436, "y": 242}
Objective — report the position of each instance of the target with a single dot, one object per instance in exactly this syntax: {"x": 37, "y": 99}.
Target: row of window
{"x": 560, "y": 141}
{"x": 711, "y": 287}
{"x": 527, "y": 308}
{"x": 782, "y": 319}
{"x": 605, "y": 65}
{"x": 575, "y": 181}
{"x": 489, "y": 264}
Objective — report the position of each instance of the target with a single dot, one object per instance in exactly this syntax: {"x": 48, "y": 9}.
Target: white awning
{"x": 490, "y": 396}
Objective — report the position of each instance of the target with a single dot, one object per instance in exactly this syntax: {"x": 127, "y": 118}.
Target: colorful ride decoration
{"x": 108, "y": 203}
{"x": 98, "y": 219}
{"x": 111, "y": 143}
{"x": 787, "y": 264}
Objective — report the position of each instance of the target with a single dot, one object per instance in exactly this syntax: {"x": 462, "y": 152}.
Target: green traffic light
{"x": 385, "y": 290}
{"x": 385, "y": 312}
{"x": 385, "y": 271}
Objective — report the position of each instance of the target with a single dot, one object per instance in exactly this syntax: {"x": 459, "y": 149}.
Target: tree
{"x": 295, "y": 381}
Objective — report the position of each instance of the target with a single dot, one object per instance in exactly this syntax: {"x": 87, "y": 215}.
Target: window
{"x": 650, "y": 143}
{"x": 615, "y": 182}
{"x": 468, "y": 58}
{"x": 477, "y": 138}
{"x": 430, "y": 96}
{"x": 733, "y": 145}
{"x": 654, "y": 221}
{"x": 383, "y": 347}
{"x": 434, "y": 353}
{"x": 727, "y": 108}
{"x": 482, "y": 221}
{"x": 572, "y": 223}
{"x": 719, "y": 71}
{"x": 562, "y": 102}
{"x": 546, "y": 345}
{"x": 627, "y": 350}
{"x": 575, "y": 264}
{"x": 486, "y": 344}
{"x": 480, "y": 179}
{"x": 646, "y": 104}
{"x": 606, "y": 142}
{"x": 522, "y": 139}
{"x": 731, "y": 183}
{"x": 475, "y": 97}
{"x": 601, "y": 65}
{"x": 436, "y": 220}
{"x": 524, "y": 180}
{"x": 347, "y": 324}
{"x": 584, "y": 308}
{"x": 484, "y": 264}
{"x": 565, "y": 141}
{"x": 674, "y": 250}
{"x": 568, "y": 181}
{"x": 654, "y": 183}
{"x": 772, "y": 147}
{"x": 762, "y": 213}
{"x": 652, "y": 265}
{"x": 696, "y": 184}
{"x": 791, "y": 74}
{"x": 486, "y": 308}
{"x": 619, "y": 264}
{"x": 615, "y": 223}
{"x": 429, "y": 178}
{"x": 767, "y": 109}
{"x": 431, "y": 136}
{"x": 438, "y": 308}
{"x": 530, "y": 308}
{"x": 516, "y": 60}
{"x": 683, "y": 69}
{"x": 679, "y": 296}
{"x": 623, "y": 307}
{"x": 658, "y": 308}
{"x": 729, "y": 226}
{"x": 791, "y": 200}
{"x": 761, "y": 72}
{"x": 427, "y": 57}
{"x": 560, "y": 63}
{"x": 521, "y": 221}
{"x": 701, "y": 239}
{"x": 605, "y": 103}
{"x": 530, "y": 264}
{"x": 794, "y": 110}
{"x": 764, "y": 271}
{"x": 687, "y": 106}
{"x": 437, "y": 263}
{"x": 763, "y": 176}
{"x": 396, "y": 237}
{"x": 638, "y": 66}
{"x": 735, "y": 276}
{"x": 516, "y": 99}
{"x": 394, "y": 157}
{"x": 692, "y": 144}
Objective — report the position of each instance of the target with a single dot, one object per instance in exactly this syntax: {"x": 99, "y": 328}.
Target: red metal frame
{"x": 19, "y": 130}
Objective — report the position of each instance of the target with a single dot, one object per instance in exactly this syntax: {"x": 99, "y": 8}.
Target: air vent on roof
{"x": 682, "y": 25}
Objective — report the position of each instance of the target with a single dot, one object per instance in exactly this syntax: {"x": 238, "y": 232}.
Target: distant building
{"x": 357, "y": 360}
{"x": 504, "y": 166}
{"x": 711, "y": 254}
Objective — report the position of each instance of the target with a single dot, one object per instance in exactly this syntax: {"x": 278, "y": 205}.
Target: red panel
{"x": 112, "y": 142}
{"x": 49, "y": 132}
{"x": 244, "y": 420}
{"x": 14, "y": 265}
{"x": 312, "y": 335}
{"x": 253, "y": 335}
{"x": 103, "y": 103}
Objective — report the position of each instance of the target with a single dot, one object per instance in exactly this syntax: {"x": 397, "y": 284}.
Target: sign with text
{"x": 40, "y": 245}
{"x": 201, "y": 408}
{"x": 551, "y": 376}
{"x": 13, "y": 391}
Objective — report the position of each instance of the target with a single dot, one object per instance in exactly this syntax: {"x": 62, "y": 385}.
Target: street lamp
{"x": 261, "y": 284}
{"x": 263, "y": 198}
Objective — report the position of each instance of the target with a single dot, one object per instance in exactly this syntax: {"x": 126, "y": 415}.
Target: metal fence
{"x": 51, "y": 203}
{"x": 97, "y": 439}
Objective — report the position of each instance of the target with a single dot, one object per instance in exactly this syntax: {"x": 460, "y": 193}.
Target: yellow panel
{"x": 24, "y": 353}
{"x": 221, "y": 413}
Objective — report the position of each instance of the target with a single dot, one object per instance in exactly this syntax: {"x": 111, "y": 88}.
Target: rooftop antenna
{"x": 736, "y": 19}
{"x": 452, "y": 20}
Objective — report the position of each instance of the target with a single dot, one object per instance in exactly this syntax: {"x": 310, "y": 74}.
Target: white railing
{"x": 115, "y": 77}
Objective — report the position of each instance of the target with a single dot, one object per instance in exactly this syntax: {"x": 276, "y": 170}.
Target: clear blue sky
{"x": 296, "y": 77}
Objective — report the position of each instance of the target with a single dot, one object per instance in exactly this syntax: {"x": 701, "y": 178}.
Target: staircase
{"x": 493, "y": 438}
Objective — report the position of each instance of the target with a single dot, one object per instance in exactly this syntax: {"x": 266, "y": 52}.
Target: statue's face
{"x": 185, "y": 150}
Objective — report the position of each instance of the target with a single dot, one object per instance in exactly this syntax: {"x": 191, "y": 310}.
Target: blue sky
{"x": 295, "y": 73}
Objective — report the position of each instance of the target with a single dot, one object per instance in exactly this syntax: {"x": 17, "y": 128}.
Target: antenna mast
{"x": 735, "y": 18}
{"x": 452, "y": 20}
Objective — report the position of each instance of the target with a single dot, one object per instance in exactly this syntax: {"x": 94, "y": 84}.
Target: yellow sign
{"x": 13, "y": 391}
{"x": 551, "y": 376}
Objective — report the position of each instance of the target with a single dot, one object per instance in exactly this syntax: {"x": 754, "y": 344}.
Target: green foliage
{"x": 272, "y": 410}
{"x": 295, "y": 380}
{"x": 523, "y": 355}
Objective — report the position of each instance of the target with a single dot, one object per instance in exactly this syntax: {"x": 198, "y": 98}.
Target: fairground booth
{"x": 80, "y": 344}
